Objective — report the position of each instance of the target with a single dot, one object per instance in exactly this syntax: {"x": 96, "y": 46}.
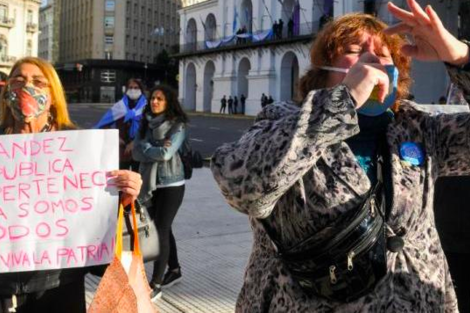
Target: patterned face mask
{"x": 27, "y": 103}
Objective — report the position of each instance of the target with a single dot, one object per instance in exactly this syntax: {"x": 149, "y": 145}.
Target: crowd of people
{"x": 342, "y": 210}
{"x": 241, "y": 31}
{"x": 235, "y": 106}
{"x": 266, "y": 100}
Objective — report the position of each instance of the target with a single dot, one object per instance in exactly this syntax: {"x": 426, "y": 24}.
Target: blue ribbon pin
{"x": 412, "y": 153}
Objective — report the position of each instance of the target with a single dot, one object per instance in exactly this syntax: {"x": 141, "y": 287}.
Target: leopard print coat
{"x": 294, "y": 168}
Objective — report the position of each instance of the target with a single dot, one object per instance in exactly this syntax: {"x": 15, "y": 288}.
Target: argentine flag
{"x": 121, "y": 109}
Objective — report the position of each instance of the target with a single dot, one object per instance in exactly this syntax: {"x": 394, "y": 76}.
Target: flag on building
{"x": 296, "y": 18}
{"x": 235, "y": 20}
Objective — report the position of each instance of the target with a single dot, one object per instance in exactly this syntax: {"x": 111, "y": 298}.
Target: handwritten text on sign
{"x": 58, "y": 206}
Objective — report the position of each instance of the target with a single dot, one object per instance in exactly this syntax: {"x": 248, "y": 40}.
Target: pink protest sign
{"x": 58, "y": 206}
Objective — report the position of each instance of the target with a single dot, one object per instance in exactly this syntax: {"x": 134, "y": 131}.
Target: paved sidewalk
{"x": 214, "y": 243}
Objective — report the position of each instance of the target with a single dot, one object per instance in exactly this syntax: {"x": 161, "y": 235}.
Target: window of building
{"x": 3, "y": 48}
{"x": 29, "y": 47}
{"x": 30, "y": 17}
{"x": 3, "y": 12}
{"x": 108, "y": 76}
{"x": 109, "y": 40}
{"x": 109, "y": 5}
{"x": 109, "y": 22}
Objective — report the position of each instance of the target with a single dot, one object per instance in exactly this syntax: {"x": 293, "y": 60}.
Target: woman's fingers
{"x": 366, "y": 75}
{"x": 128, "y": 182}
{"x": 382, "y": 81}
{"x": 421, "y": 17}
{"x": 400, "y": 28}
{"x": 434, "y": 18}
{"x": 401, "y": 14}
{"x": 410, "y": 50}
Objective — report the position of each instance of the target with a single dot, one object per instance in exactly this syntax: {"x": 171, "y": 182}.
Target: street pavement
{"x": 206, "y": 131}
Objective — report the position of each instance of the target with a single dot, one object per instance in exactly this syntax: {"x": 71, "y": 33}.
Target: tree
{"x": 169, "y": 65}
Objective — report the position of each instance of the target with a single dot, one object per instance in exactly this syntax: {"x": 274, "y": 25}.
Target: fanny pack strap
{"x": 378, "y": 191}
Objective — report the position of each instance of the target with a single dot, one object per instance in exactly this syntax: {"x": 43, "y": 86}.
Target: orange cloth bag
{"x": 122, "y": 291}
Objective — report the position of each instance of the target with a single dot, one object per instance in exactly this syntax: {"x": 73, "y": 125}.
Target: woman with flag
{"x": 125, "y": 115}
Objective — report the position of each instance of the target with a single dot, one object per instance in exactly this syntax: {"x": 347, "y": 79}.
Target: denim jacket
{"x": 166, "y": 160}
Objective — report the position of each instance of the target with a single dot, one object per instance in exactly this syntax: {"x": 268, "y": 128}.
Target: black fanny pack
{"x": 351, "y": 261}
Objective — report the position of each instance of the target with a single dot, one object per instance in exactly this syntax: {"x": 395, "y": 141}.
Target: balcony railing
{"x": 246, "y": 40}
{"x": 31, "y": 27}
{"x": 7, "y": 22}
{"x": 187, "y": 3}
{"x": 7, "y": 59}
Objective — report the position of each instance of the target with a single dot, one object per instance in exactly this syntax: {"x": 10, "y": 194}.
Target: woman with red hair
{"x": 339, "y": 188}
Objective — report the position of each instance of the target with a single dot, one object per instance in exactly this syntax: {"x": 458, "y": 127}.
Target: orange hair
{"x": 343, "y": 31}
{"x": 58, "y": 108}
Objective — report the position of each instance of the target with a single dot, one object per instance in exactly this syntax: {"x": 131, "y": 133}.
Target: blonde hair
{"x": 58, "y": 108}
{"x": 330, "y": 43}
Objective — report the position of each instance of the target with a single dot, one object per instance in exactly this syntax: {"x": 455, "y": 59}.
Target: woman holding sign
{"x": 339, "y": 188}
{"x": 161, "y": 135}
{"x": 33, "y": 101}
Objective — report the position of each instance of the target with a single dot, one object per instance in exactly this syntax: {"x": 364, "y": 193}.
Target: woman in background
{"x": 161, "y": 135}
{"x": 125, "y": 115}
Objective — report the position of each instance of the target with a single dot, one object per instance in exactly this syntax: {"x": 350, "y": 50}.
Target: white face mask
{"x": 334, "y": 69}
{"x": 134, "y": 94}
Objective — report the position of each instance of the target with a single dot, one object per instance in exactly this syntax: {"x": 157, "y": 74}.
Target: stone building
{"x": 47, "y": 28}
{"x": 18, "y": 31}
{"x": 102, "y": 43}
{"x": 228, "y": 47}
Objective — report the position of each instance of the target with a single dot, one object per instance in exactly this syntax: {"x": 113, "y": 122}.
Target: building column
{"x": 199, "y": 87}
{"x": 181, "y": 81}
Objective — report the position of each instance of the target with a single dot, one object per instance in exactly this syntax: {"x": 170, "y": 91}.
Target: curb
{"x": 190, "y": 113}
{"x": 218, "y": 115}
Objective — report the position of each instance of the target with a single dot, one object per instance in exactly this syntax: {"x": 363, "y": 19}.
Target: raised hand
{"x": 431, "y": 40}
{"x": 363, "y": 76}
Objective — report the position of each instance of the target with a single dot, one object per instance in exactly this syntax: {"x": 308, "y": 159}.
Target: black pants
{"x": 166, "y": 202}
{"x": 460, "y": 272}
{"x": 129, "y": 165}
{"x": 68, "y": 298}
